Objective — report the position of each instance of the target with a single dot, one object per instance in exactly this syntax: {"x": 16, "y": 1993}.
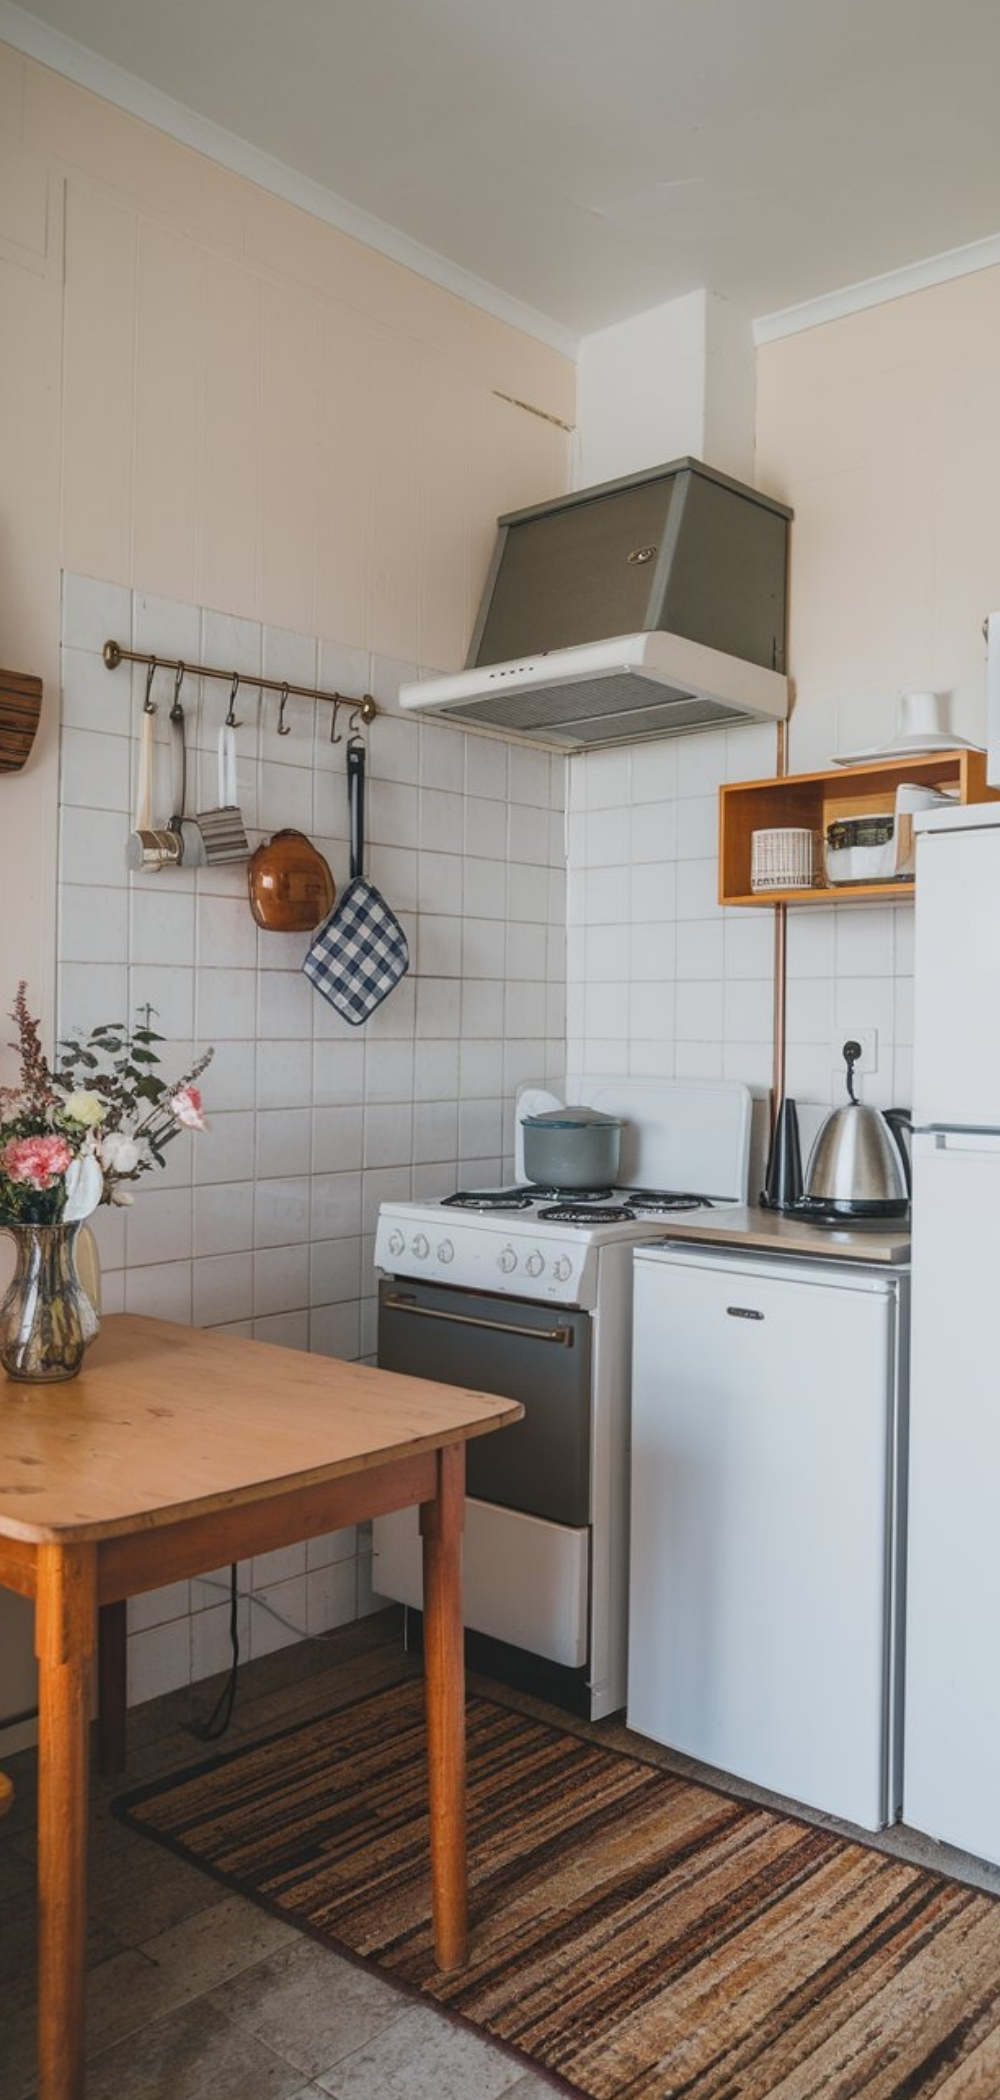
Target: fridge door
{"x": 951, "y": 1770}
{"x": 956, "y": 1072}
{"x": 762, "y": 1515}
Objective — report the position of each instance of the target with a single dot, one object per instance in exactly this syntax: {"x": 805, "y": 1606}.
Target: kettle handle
{"x": 899, "y": 1119}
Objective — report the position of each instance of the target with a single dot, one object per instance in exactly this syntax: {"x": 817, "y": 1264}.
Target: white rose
{"x": 86, "y": 1108}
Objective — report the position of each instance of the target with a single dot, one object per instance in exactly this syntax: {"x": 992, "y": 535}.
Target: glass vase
{"x": 46, "y": 1318}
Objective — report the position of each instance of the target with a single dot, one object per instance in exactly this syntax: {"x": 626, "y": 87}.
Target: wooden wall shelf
{"x": 811, "y": 801}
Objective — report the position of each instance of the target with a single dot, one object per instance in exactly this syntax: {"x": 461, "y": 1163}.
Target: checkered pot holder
{"x": 360, "y": 951}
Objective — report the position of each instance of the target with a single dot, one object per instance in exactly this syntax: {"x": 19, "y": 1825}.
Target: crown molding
{"x": 875, "y": 291}
{"x": 37, "y": 40}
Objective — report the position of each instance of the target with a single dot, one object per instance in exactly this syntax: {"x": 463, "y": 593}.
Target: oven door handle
{"x": 400, "y": 1303}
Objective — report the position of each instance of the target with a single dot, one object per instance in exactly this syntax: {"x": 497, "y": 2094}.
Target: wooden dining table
{"x": 175, "y": 1451}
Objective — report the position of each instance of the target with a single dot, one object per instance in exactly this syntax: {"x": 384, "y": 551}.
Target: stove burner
{"x": 588, "y": 1213}
{"x": 544, "y": 1191}
{"x": 488, "y": 1199}
{"x": 653, "y": 1202}
{"x": 521, "y": 1197}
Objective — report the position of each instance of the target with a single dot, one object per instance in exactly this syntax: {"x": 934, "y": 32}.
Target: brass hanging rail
{"x": 366, "y": 708}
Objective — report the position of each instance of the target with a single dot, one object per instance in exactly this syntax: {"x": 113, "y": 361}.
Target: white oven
{"x": 503, "y": 1291}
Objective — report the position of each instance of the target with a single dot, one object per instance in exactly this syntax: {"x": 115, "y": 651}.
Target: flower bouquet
{"x": 74, "y": 1134}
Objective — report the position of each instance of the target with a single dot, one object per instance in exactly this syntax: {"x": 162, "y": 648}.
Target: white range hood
{"x": 636, "y": 685}
{"x": 651, "y": 606}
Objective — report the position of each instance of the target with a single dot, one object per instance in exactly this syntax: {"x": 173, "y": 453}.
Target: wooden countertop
{"x": 166, "y": 1420}
{"x": 884, "y": 1240}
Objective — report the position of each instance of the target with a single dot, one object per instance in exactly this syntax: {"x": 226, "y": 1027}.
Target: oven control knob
{"x": 396, "y": 1242}
{"x": 508, "y": 1260}
{"x": 535, "y": 1263}
{"x": 562, "y": 1268}
{"x": 446, "y": 1251}
{"x": 420, "y": 1246}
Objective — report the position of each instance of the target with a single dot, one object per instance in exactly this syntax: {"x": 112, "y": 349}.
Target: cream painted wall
{"x": 209, "y": 395}
{"x": 881, "y": 430}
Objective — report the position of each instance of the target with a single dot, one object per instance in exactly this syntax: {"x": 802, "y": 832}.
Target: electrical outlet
{"x": 868, "y": 1061}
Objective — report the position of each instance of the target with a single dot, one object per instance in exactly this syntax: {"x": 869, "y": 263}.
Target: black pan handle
{"x": 356, "y": 803}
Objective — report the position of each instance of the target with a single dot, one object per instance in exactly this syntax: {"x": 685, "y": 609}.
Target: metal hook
{"x": 176, "y": 710}
{"x": 148, "y": 705}
{"x": 231, "y": 722}
{"x": 284, "y": 729}
{"x": 357, "y": 715}
{"x": 334, "y": 738}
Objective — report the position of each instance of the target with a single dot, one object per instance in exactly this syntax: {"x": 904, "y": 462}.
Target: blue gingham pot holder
{"x": 360, "y": 951}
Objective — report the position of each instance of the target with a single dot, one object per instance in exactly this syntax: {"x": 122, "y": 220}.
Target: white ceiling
{"x": 586, "y": 159}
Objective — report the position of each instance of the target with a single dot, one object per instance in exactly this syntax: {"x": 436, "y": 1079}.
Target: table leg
{"x": 112, "y": 1639}
{"x": 65, "y": 1641}
{"x": 444, "y": 1662}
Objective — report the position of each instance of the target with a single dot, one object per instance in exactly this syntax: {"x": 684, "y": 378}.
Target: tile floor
{"x": 195, "y": 1994}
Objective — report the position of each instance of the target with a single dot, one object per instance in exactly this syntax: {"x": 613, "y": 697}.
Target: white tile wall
{"x": 264, "y": 1225}
{"x": 540, "y": 939}
{"x": 643, "y": 912}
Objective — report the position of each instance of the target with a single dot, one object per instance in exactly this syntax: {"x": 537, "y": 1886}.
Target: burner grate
{"x": 545, "y": 1191}
{"x": 488, "y": 1199}
{"x": 588, "y": 1213}
{"x": 654, "y": 1202}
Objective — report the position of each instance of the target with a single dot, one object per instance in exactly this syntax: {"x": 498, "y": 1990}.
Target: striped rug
{"x": 634, "y": 1935}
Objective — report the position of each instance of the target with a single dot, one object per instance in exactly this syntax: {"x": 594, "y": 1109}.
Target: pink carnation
{"x": 37, "y": 1161}
{"x": 186, "y": 1105}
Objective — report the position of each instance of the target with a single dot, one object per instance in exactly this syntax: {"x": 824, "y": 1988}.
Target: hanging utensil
{"x": 192, "y": 852}
{"x": 221, "y": 831}
{"x": 290, "y": 884}
{"x": 361, "y": 952}
{"x": 148, "y": 849}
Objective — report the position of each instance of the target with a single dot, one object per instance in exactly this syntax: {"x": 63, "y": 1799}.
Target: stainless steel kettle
{"x": 858, "y": 1167}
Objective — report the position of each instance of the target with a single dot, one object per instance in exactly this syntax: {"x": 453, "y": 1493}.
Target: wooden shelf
{"x": 811, "y": 801}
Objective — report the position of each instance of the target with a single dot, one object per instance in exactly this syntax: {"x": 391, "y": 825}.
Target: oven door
{"x": 538, "y": 1354}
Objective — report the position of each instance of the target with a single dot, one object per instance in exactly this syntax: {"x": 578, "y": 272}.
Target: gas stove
{"x": 527, "y": 1291}
{"x": 685, "y": 1147}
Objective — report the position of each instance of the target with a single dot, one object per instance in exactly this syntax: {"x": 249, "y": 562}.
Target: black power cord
{"x": 222, "y": 1712}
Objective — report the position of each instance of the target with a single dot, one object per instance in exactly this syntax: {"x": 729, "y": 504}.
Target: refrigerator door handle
{"x": 947, "y": 1137}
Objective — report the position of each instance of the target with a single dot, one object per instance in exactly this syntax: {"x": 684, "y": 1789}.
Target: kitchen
{"x": 187, "y": 544}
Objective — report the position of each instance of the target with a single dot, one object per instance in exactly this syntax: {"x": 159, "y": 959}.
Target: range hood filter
{"x": 645, "y": 607}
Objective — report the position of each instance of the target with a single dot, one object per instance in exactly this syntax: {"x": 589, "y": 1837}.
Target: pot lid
{"x": 570, "y": 1119}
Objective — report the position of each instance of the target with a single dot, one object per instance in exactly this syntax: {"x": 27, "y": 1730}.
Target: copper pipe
{"x": 780, "y": 956}
{"x": 114, "y": 655}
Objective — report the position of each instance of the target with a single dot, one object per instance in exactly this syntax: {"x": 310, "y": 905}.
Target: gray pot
{"x": 572, "y": 1148}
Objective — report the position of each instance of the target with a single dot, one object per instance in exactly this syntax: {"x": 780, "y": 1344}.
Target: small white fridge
{"x": 951, "y": 1771}
{"x": 768, "y": 1406}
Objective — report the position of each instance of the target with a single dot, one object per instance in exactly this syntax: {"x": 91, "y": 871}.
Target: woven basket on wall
{"x": 20, "y": 707}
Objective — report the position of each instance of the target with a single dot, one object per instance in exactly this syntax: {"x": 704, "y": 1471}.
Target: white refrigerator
{"x": 951, "y": 1769}
{"x": 768, "y": 1409}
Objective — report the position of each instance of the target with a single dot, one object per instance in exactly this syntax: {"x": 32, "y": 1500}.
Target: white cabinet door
{"x": 761, "y": 1492}
{"x": 951, "y": 1768}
